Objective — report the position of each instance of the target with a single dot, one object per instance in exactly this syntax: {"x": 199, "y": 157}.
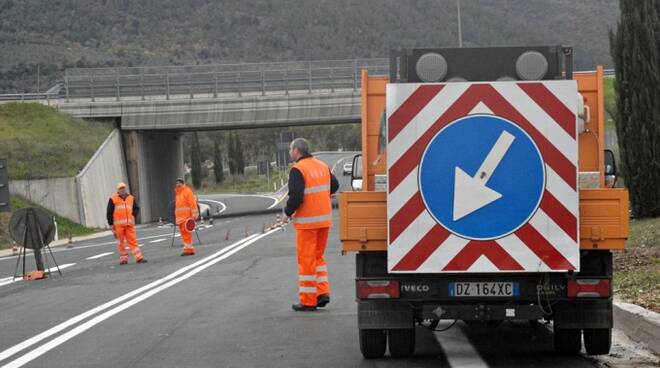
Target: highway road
{"x": 230, "y": 306}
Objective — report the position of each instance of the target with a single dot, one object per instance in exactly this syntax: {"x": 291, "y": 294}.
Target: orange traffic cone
{"x": 227, "y": 235}
{"x": 160, "y": 221}
{"x": 70, "y": 242}
{"x": 201, "y": 219}
{"x": 14, "y": 248}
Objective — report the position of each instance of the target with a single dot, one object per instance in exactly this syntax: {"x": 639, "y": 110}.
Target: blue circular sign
{"x": 482, "y": 177}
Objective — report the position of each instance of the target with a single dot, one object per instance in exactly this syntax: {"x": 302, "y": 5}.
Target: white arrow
{"x": 471, "y": 193}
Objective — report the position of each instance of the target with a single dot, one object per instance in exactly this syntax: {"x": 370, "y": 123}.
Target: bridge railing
{"x": 215, "y": 80}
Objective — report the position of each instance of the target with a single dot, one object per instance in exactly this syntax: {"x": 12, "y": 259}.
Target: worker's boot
{"x": 188, "y": 251}
{"x": 123, "y": 260}
{"x": 303, "y": 308}
{"x": 322, "y": 300}
{"x": 141, "y": 260}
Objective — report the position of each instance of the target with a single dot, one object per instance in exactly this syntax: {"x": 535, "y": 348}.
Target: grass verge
{"x": 637, "y": 268}
{"x": 65, "y": 226}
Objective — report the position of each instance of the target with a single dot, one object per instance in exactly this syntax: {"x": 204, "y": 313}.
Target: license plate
{"x": 484, "y": 289}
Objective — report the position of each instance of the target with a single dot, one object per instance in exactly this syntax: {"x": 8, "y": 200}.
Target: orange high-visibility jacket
{"x": 315, "y": 211}
{"x": 186, "y": 204}
{"x": 123, "y": 214}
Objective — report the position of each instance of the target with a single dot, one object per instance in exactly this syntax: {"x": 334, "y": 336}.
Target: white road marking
{"x": 165, "y": 283}
{"x": 9, "y": 280}
{"x": 224, "y": 206}
{"x": 62, "y": 266}
{"x": 157, "y": 241}
{"x": 99, "y": 255}
{"x": 458, "y": 348}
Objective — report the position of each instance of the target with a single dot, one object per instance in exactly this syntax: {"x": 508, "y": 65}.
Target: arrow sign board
{"x": 482, "y": 177}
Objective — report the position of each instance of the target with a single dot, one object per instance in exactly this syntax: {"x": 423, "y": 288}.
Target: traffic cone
{"x": 227, "y": 235}
{"x": 70, "y": 242}
{"x": 201, "y": 219}
{"x": 278, "y": 219}
{"x": 247, "y": 232}
{"x": 160, "y": 221}
{"x": 14, "y": 248}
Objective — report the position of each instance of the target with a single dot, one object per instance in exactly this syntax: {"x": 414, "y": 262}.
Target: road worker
{"x": 311, "y": 183}
{"x": 121, "y": 212}
{"x": 185, "y": 210}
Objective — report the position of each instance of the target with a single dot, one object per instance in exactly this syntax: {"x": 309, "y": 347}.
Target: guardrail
{"x": 28, "y": 96}
{"x": 207, "y": 80}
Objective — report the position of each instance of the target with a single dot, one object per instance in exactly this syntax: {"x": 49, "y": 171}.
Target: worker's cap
{"x": 179, "y": 180}
{"x": 121, "y": 185}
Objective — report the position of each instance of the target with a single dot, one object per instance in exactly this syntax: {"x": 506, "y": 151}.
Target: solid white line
{"x": 157, "y": 241}
{"x": 72, "y": 321}
{"x": 63, "y": 266}
{"x": 9, "y": 280}
{"x": 99, "y": 255}
{"x": 224, "y": 206}
{"x": 28, "y": 357}
{"x": 459, "y": 350}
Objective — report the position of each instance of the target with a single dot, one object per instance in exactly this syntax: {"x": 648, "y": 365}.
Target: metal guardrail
{"x": 29, "y": 96}
{"x": 207, "y": 80}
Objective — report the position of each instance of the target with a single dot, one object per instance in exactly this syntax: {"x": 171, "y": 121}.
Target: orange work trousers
{"x": 312, "y": 269}
{"x": 186, "y": 237}
{"x": 126, "y": 236}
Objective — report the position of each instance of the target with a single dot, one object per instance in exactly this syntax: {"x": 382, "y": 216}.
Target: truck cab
{"x": 484, "y": 195}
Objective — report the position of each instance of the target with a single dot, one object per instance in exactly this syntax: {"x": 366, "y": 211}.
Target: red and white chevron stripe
{"x": 547, "y": 111}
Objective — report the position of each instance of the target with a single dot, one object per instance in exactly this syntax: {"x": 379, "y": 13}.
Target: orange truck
{"x": 483, "y": 193}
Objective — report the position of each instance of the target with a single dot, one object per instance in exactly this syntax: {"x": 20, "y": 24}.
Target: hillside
{"x": 40, "y": 142}
{"x": 60, "y": 33}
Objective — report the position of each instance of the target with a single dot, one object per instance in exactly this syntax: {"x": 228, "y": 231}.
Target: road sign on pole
{"x": 4, "y": 186}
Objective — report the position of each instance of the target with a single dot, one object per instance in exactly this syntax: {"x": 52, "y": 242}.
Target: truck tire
{"x": 568, "y": 341}
{"x": 373, "y": 343}
{"x": 401, "y": 342}
{"x": 597, "y": 341}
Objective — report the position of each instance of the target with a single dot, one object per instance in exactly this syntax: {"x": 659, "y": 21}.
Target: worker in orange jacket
{"x": 185, "y": 209}
{"x": 311, "y": 183}
{"x": 121, "y": 212}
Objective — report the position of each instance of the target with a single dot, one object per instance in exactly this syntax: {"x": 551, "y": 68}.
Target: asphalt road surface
{"x": 229, "y": 306}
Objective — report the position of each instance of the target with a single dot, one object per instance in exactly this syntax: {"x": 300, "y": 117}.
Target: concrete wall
{"x": 97, "y": 181}
{"x": 59, "y": 195}
{"x": 154, "y": 160}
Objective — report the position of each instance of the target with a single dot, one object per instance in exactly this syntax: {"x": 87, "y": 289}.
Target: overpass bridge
{"x": 152, "y": 106}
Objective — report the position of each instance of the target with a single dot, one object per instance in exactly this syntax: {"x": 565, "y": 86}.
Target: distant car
{"x": 348, "y": 168}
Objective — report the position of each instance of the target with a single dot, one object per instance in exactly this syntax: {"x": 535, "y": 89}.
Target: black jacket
{"x": 297, "y": 188}
{"x": 109, "y": 214}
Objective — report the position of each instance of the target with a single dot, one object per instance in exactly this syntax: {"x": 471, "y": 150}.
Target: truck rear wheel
{"x": 597, "y": 341}
{"x": 568, "y": 340}
{"x": 401, "y": 342}
{"x": 373, "y": 343}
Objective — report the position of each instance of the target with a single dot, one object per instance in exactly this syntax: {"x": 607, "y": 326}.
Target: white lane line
{"x": 9, "y": 280}
{"x": 99, "y": 255}
{"x": 57, "y": 250}
{"x": 224, "y": 206}
{"x": 458, "y": 349}
{"x": 157, "y": 241}
{"x": 28, "y": 357}
{"x": 74, "y": 320}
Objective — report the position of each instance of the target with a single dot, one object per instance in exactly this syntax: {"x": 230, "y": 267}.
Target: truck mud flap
{"x": 583, "y": 314}
{"x": 384, "y": 315}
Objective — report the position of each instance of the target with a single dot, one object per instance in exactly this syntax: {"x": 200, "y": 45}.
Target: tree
{"x": 635, "y": 48}
{"x": 217, "y": 163}
{"x": 196, "y": 162}
{"x": 240, "y": 157}
{"x": 231, "y": 154}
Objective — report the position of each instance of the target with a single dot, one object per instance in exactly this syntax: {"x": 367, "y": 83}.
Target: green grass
{"x": 65, "y": 226}
{"x": 40, "y": 142}
{"x": 637, "y": 269}
{"x": 245, "y": 184}
{"x": 610, "y": 102}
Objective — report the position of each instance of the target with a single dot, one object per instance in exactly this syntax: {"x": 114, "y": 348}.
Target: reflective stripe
{"x": 307, "y": 278}
{"x": 323, "y": 268}
{"x": 183, "y": 209}
{"x": 304, "y": 289}
{"x": 322, "y": 279}
{"x": 318, "y": 188}
{"x": 123, "y": 221}
{"x": 123, "y": 207}
{"x": 311, "y": 219}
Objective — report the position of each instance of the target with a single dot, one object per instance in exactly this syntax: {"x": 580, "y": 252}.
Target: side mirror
{"x": 610, "y": 168}
{"x": 356, "y": 174}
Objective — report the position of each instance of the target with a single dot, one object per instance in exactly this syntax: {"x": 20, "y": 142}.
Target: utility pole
{"x": 460, "y": 32}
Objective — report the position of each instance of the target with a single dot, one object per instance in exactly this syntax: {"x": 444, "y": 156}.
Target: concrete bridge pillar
{"x": 154, "y": 159}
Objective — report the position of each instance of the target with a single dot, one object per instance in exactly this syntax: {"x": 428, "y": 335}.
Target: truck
{"x": 484, "y": 193}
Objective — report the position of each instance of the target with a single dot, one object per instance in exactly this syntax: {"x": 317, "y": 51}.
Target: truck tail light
{"x": 589, "y": 288}
{"x": 378, "y": 289}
